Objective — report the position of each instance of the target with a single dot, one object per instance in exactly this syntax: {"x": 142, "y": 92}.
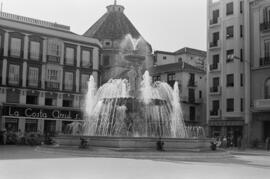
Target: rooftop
{"x": 113, "y": 25}
{"x": 175, "y": 67}
{"x": 185, "y": 50}
{"x": 32, "y": 21}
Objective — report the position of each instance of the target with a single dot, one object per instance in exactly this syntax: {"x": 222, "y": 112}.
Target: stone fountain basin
{"x": 170, "y": 144}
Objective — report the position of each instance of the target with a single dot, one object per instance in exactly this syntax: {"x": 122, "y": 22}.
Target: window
{"x": 229, "y": 32}
{"x": 266, "y": 15}
{"x": 164, "y": 57}
{"x": 86, "y": 58}
{"x": 267, "y": 89}
{"x": 68, "y": 83}
{"x": 230, "y": 81}
{"x": 241, "y": 7}
{"x": 241, "y": 55}
{"x": 230, "y": 105}
{"x": 241, "y": 30}
{"x": 1, "y": 43}
{"x": 200, "y": 94}
{"x": 192, "y": 113}
{"x": 156, "y": 78}
{"x": 191, "y": 95}
{"x": 180, "y": 60}
{"x": 31, "y": 125}
{"x": 191, "y": 81}
{"x": 50, "y": 101}
{"x": 67, "y": 103}
{"x": 229, "y": 8}
{"x": 241, "y": 79}
{"x": 52, "y": 77}
{"x": 215, "y": 16}
{"x": 34, "y": 50}
{"x": 14, "y": 74}
{"x": 230, "y": 55}
{"x": 171, "y": 79}
{"x": 54, "y": 50}
{"x": 31, "y": 99}
{"x": 33, "y": 79}
{"x": 267, "y": 49}
{"x": 69, "y": 56}
{"x": 241, "y": 104}
{"x": 15, "y": 47}
{"x": 84, "y": 82}
{"x": 215, "y": 62}
{"x": 106, "y": 60}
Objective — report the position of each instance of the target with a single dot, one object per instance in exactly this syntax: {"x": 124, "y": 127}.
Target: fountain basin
{"x": 170, "y": 144}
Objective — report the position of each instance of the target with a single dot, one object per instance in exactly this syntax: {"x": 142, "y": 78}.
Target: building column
{"x": 21, "y": 124}
{"x": 43, "y": 76}
{"x": 41, "y": 98}
{"x": 77, "y": 81}
{"x": 24, "y": 77}
{"x": 76, "y": 102}
{"x": 6, "y": 44}
{"x": 4, "y": 72}
{"x": 23, "y": 96}
{"x": 59, "y": 101}
{"x": 26, "y": 50}
{"x": 247, "y": 70}
{"x": 3, "y": 96}
{"x": 61, "y": 78}
{"x": 78, "y": 56}
{"x": 62, "y": 54}
{"x": 40, "y": 125}
{"x": 44, "y": 51}
{"x": 58, "y": 126}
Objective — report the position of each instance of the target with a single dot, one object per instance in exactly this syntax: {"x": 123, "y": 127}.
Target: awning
{"x": 226, "y": 123}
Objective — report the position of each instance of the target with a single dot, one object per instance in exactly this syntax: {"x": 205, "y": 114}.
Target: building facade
{"x": 44, "y": 73}
{"x": 185, "y": 66}
{"x": 260, "y": 69}
{"x": 238, "y": 69}
{"x": 227, "y": 77}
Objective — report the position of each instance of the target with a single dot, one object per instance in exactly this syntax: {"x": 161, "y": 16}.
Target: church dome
{"x": 113, "y": 25}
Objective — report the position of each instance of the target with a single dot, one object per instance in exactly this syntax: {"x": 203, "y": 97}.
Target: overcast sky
{"x": 167, "y": 25}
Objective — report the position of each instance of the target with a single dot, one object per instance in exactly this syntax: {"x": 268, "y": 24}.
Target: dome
{"x": 113, "y": 25}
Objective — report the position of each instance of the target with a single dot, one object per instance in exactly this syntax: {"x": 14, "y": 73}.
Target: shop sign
{"x": 41, "y": 113}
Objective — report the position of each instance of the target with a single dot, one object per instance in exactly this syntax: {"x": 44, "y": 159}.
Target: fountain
{"x": 133, "y": 112}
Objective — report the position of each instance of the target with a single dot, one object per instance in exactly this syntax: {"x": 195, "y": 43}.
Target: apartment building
{"x": 186, "y": 66}
{"x": 260, "y": 69}
{"x": 44, "y": 72}
{"x": 228, "y": 68}
{"x": 238, "y": 74}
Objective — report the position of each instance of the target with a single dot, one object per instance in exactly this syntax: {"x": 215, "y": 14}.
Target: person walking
{"x": 267, "y": 141}
{"x": 4, "y": 136}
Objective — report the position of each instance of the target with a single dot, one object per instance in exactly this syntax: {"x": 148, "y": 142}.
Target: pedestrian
{"x": 239, "y": 142}
{"x": 4, "y": 136}
{"x": 267, "y": 141}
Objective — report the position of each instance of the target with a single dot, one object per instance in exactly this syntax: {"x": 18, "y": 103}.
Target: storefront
{"x": 227, "y": 128}
{"x": 260, "y": 126}
{"x": 38, "y": 119}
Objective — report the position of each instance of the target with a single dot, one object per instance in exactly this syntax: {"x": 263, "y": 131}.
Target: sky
{"x": 168, "y": 25}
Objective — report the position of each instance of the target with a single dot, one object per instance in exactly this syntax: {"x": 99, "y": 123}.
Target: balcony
{"x": 1, "y": 52}
{"x": 265, "y": 26}
{"x": 215, "y": 90}
{"x": 265, "y": 61}
{"x": 53, "y": 59}
{"x": 214, "y": 67}
{"x": 214, "y": 44}
{"x": 191, "y": 100}
{"x": 214, "y": 21}
{"x": 215, "y": 113}
{"x": 52, "y": 85}
{"x": 262, "y": 104}
{"x": 192, "y": 83}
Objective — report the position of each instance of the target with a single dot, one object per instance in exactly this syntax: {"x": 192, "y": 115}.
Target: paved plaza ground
{"x": 26, "y": 162}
